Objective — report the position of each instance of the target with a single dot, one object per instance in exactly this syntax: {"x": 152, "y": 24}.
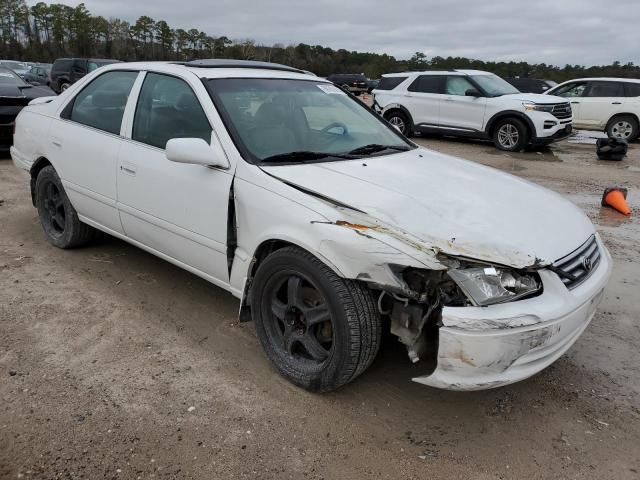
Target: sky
{"x": 584, "y": 32}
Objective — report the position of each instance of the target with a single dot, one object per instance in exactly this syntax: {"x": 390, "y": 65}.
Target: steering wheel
{"x": 333, "y": 125}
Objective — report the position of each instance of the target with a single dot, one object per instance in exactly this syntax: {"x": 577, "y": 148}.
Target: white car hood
{"x": 534, "y": 98}
{"x": 449, "y": 205}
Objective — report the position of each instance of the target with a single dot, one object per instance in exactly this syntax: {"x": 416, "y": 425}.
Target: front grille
{"x": 576, "y": 267}
{"x": 562, "y": 111}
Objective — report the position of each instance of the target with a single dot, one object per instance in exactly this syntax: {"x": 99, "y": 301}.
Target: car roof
{"x": 438, "y": 72}
{"x": 605, "y": 79}
{"x": 222, "y": 69}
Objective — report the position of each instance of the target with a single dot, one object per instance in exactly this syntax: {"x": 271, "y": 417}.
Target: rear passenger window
{"x": 101, "y": 103}
{"x": 428, "y": 84}
{"x": 167, "y": 108}
{"x": 389, "y": 83}
{"x": 632, "y": 89}
{"x": 605, "y": 89}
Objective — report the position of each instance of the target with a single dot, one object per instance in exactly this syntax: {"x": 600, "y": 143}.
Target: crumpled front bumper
{"x": 487, "y": 347}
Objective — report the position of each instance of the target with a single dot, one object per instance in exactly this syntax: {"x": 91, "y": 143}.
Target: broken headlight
{"x": 490, "y": 285}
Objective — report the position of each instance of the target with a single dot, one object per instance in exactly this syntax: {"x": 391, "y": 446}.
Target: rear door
{"x": 458, "y": 111}
{"x": 601, "y": 101}
{"x": 85, "y": 145}
{"x": 178, "y": 210}
{"x": 423, "y": 99}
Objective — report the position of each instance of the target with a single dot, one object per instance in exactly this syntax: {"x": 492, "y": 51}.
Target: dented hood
{"x": 449, "y": 205}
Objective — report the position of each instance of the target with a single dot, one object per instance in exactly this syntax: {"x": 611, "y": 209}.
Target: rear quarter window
{"x": 389, "y": 83}
{"x": 632, "y": 89}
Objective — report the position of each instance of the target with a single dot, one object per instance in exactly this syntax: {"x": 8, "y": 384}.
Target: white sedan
{"x": 320, "y": 217}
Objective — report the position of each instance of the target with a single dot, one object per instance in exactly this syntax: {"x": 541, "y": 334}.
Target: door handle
{"x": 616, "y": 103}
{"x": 448, "y": 99}
{"x": 128, "y": 169}
{"x": 56, "y": 142}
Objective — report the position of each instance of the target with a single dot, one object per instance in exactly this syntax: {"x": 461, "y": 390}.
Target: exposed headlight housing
{"x": 529, "y": 107}
{"x": 488, "y": 285}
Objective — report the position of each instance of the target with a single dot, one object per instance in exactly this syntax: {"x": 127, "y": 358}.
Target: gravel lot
{"x": 115, "y": 364}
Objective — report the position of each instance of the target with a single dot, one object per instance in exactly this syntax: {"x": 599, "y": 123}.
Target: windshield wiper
{"x": 376, "y": 147}
{"x": 305, "y": 155}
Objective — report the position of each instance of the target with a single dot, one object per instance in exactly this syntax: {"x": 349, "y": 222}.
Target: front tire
{"x": 319, "y": 330}
{"x": 510, "y": 135}
{"x": 624, "y": 127}
{"x": 58, "y": 218}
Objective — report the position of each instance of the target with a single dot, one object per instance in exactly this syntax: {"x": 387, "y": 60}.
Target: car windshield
{"x": 494, "y": 86}
{"x": 300, "y": 120}
{"x": 8, "y": 77}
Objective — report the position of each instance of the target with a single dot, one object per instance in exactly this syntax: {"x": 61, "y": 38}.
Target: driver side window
{"x": 167, "y": 108}
{"x": 458, "y": 86}
{"x": 571, "y": 90}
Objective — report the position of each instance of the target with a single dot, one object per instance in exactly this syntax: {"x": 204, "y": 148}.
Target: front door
{"x": 178, "y": 210}
{"x": 573, "y": 92}
{"x": 457, "y": 110}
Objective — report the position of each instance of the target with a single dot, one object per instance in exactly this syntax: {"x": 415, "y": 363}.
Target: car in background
{"x": 372, "y": 84}
{"x": 355, "y": 83}
{"x": 38, "y": 74}
{"x": 611, "y": 105}
{"x": 67, "y": 71}
{"x": 20, "y": 68}
{"x": 471, "y": 103}
{"x": 15, "y": 94}
{"x": 531, "y": 85}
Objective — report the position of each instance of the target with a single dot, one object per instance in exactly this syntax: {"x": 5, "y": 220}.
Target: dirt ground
{"x": 115, "y": 364}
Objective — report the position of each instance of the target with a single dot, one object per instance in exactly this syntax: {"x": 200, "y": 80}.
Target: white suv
{"x": 474, "y": 104}
{"x": 611, "y": 105}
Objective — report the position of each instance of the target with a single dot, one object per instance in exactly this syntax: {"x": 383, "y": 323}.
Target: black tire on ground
{"x": 510, "y": 134}
{"x": 624, "y": 127}
{"x": 400, "y": 120}
{"x": 58, "y": 218}
{"x": 319, "y": 330}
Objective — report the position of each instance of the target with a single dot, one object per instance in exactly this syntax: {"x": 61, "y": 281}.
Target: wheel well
{"x": 37, "y": 166}
{"x": 622, "y": 115}
{"x": 504, "y": 116}
{"x": 265, "y": 249}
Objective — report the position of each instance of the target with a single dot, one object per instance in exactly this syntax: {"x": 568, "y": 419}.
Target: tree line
{"x": 44, "y": 32}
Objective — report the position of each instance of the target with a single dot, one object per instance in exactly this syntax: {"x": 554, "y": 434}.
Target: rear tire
{"x": 400, "y": 121}
{"x": 64, "y": 86}
{"x": 58, "y": 218}
{"x": 319, "y": 330}
{"x": 624, "y": 127}
{"x": 510, "y": 134}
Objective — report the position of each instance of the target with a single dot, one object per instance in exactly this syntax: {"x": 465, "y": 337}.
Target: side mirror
{"x": 194, "y": 151}
{"x": 472, "y": 92}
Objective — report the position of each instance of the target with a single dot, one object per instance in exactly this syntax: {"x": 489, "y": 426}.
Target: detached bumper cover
{"x": 487, "y": 347}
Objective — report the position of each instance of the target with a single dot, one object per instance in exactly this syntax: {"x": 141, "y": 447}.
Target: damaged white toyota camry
{"x": 317, "y": 214}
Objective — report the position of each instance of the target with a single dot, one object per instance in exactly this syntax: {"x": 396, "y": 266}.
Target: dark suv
{"x": 531, "y": 85}
{"x": 351, "y": 82}
{"x": 66, "y": 71}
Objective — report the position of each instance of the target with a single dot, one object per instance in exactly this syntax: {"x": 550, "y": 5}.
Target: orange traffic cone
{"x": 616, "y": 198}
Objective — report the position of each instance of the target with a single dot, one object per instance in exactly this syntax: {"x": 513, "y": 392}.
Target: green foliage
{"x": 45, "y": 32}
